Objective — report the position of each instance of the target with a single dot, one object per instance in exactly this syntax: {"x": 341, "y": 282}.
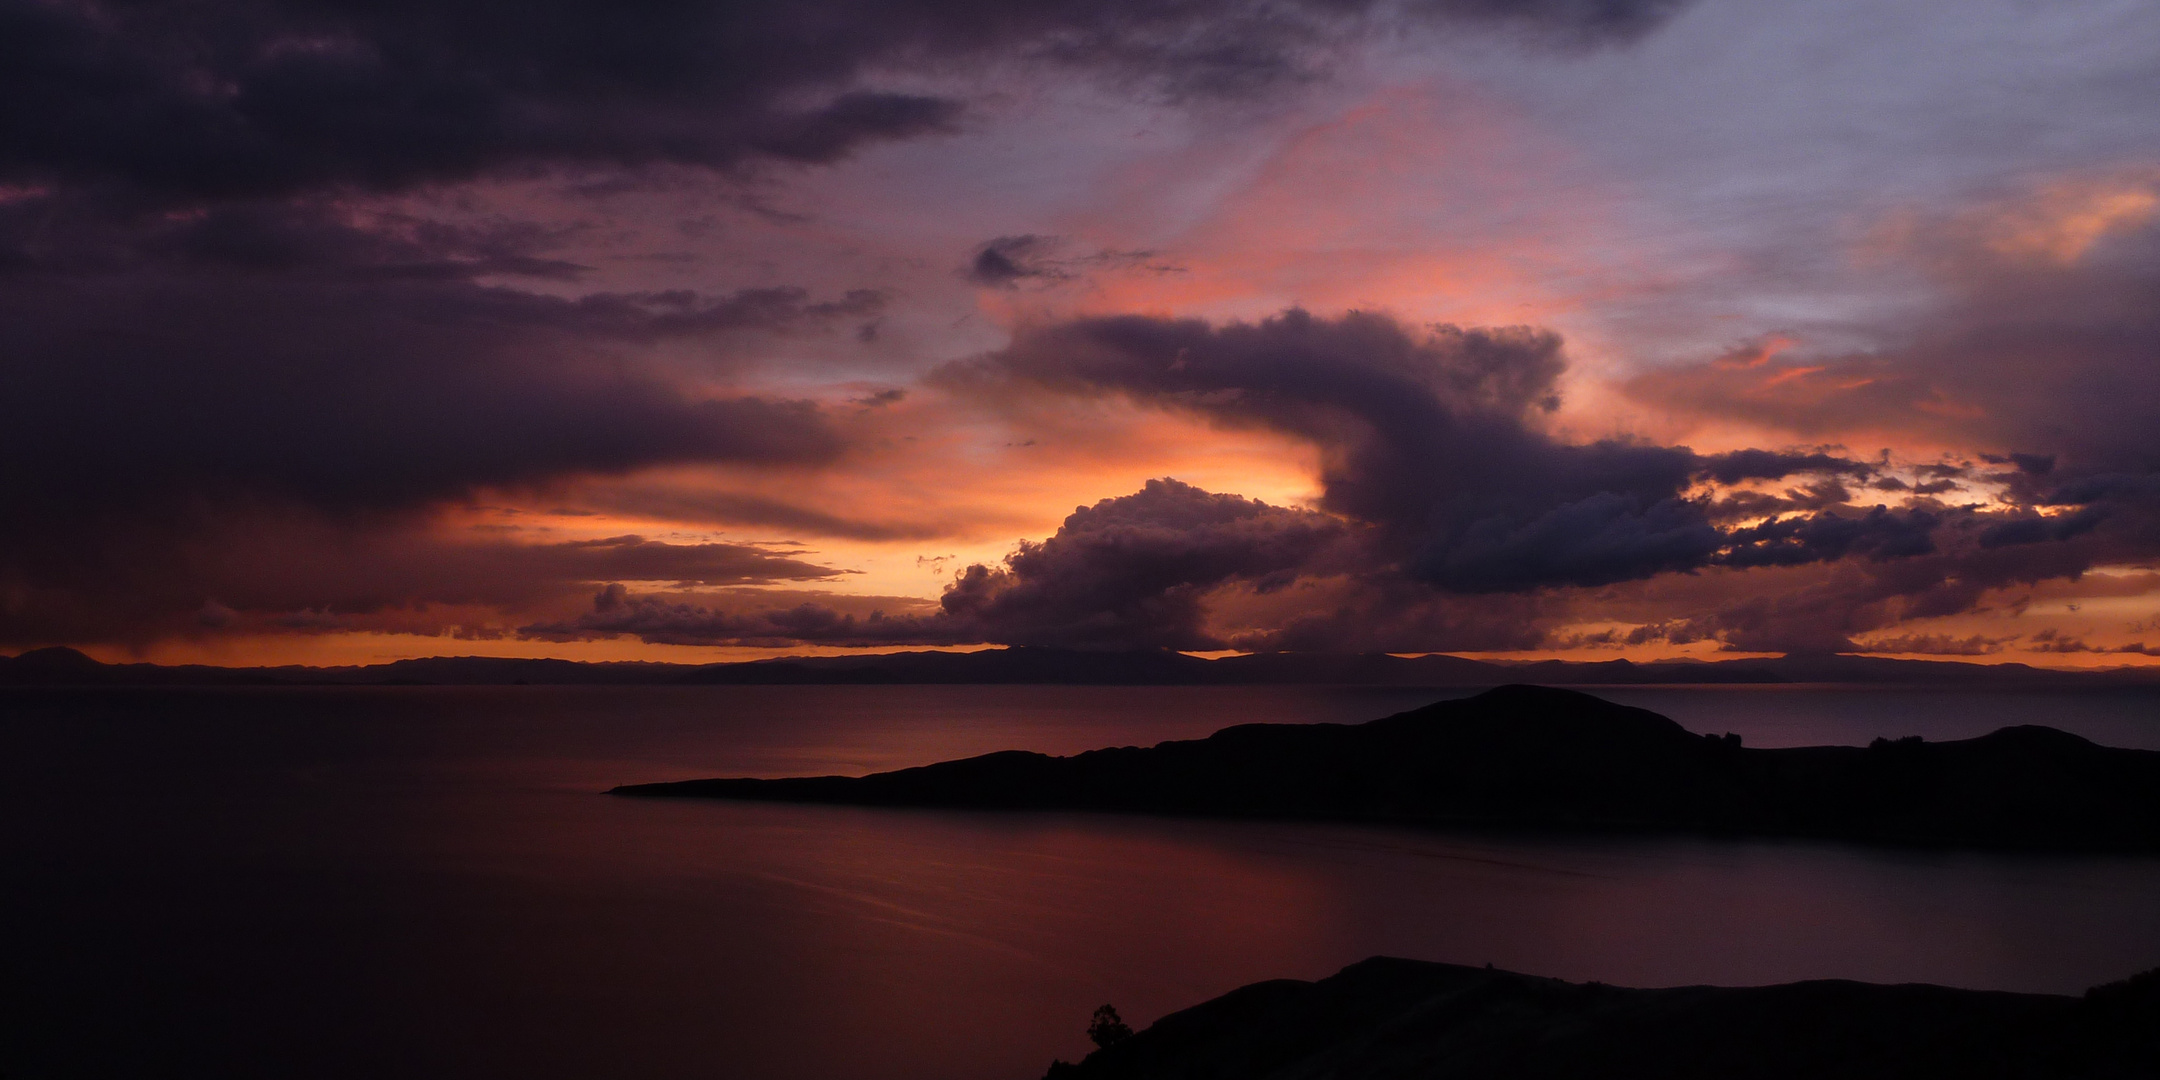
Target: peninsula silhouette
{"x": 1527, "y": 756}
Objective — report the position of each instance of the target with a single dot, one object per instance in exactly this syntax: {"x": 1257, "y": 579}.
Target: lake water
{"x": 422, "y": 882}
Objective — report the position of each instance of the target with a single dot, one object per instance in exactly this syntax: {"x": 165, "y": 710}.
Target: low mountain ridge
{"x": 1026, "y": 665}
{"x": 1540, "y": 757}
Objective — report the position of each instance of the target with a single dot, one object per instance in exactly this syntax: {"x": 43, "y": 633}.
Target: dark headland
{"x": 1539, "y": 757}
{"x": 1387, "y": 1019}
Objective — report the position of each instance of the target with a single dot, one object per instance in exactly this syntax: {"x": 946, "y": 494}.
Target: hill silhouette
{"x": 1389, "y": 1019}
{"x": 1531, "y": 756}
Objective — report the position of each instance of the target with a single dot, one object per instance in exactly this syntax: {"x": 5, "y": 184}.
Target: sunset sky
{"x": 341, "y": 331}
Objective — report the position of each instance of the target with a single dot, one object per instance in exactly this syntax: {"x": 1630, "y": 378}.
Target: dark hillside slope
{"x": 1387, "y": 1019}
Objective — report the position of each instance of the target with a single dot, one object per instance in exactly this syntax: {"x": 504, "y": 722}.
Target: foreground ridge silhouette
{"x": 1527, "y": 756}
{"x": 1389, "y": 1019}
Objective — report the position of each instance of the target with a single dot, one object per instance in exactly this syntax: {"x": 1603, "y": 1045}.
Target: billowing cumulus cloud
{"x": 1434, "y": 454}
{"x": 1134, "y": 571}
{"x": 1129, "y": 572}
{"x": 1446, "y": 510}
{"x": 1431, "y": 437}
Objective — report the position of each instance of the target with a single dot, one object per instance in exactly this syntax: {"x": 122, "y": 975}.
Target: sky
{"x": 340, "y": 331}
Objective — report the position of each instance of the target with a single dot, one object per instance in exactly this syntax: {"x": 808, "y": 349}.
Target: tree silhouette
{"x": 1107, "y": 1030}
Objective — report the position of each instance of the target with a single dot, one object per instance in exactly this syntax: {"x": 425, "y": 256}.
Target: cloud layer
{"x": 1129, "y": 572}
{"x": 246, "y": 98}
{"x": 1442, "y": 491}
{"x": 1433, "y": 438}
{"x": 218, "y": 325}
{"x": 314, "y": 315}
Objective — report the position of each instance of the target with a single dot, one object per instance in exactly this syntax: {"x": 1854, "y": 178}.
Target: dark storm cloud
{"x": 1431, "y": 448}
{"x": 1431, "y": 437}
{"x": 1827, "y": 605}
{"x": 279, "y": 351}
{"x": 1739, "y": 465}
{"x": 1821, "y": 495}
{"x": 1129, "y": 572}
{"x": 2035, "y": 464}
{"x": 196, "y": 325}
{"x": 243, "y": 99}
{"x": 1165, "y": 567}
{"x": 257, "y": 361}
{"x": 354, "y": 395}
{"x": 2100, "y": 487}
{"x": 250, "y": 98}
{"x": 1439, "y": 485}
{"x": 2033, "y": 529}
{"x": 1879, "y": 533}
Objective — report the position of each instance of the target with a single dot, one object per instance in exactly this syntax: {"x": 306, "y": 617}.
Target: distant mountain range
{"x": 1543, "y": 757}
{"x": 1022, "y": 665}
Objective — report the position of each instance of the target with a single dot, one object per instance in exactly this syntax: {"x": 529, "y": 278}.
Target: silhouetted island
{"x": 1387, "y": 1019}
{"x": 1526, "y": 756}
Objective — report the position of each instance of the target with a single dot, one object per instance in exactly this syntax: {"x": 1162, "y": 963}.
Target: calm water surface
{"x": 423, "y": 882}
